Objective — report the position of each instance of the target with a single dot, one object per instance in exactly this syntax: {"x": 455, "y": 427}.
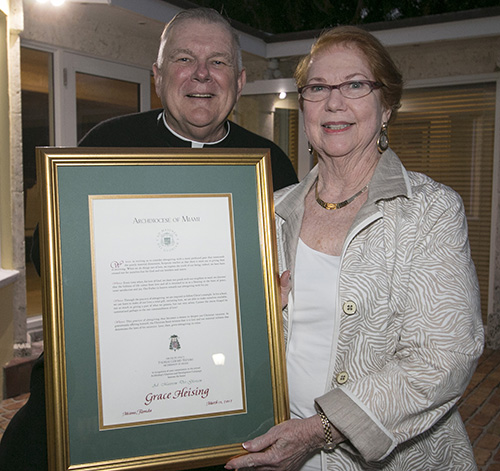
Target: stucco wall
{"x": 448, "y": 58}
{"x": 6, "y": 317}
{"x": 91, "y": 29}
{"x": 12, "y": 289}
{"x": 422, "y": 61}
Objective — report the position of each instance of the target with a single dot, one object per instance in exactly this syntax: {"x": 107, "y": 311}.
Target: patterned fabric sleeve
{"x": 412, "y": 349}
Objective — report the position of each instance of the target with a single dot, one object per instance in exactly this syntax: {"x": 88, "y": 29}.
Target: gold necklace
{"x": 340, "y": 205}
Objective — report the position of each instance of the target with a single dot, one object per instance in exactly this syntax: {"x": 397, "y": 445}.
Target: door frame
{"x": 65, "y": 65}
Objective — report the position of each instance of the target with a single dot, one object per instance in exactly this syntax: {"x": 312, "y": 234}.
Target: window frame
{"x": 65, "y": 65}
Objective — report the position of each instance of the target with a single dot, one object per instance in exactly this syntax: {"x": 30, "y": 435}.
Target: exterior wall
{"x": 121, "y": 37}
{"x": 256, "y": 67}
{"x": 420, "y": 61}
{"x": 12, "y": 272}
{"x": 97, "y": 30}
{"x": 448, "y": 58}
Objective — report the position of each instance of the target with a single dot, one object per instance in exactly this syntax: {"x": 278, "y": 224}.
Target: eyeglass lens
{"x": 351, "y": 89}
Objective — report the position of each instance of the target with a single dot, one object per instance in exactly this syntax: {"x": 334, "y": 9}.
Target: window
{"x": 36, "y": 97}
{"x": 286, "y": 127}
{"x": 448, "y": 134}
{"x": 100, "y": 98}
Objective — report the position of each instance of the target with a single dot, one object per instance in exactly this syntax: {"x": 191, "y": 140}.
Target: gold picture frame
{"x": 157, "y": 265}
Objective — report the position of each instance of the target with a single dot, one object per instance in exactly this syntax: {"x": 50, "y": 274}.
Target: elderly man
{"x": 199, "y": 77}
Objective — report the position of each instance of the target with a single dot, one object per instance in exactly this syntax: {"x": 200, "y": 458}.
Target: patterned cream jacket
{"x": 409, "y": 323}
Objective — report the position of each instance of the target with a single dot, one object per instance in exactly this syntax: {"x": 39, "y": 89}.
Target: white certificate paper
{"x": 166, "y": 308}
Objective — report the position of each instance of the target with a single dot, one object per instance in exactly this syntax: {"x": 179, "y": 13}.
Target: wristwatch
{"x": 329, "y": 444}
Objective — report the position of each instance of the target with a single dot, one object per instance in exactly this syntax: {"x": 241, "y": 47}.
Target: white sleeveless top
{"x": 312, "y": 331}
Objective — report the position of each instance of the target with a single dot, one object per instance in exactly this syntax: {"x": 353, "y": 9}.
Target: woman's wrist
{"x": 330, "y": 436}
{"x": 329, "y": 443}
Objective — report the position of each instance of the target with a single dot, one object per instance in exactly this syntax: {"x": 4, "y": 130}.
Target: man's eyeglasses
{"x": 353, "y": 89}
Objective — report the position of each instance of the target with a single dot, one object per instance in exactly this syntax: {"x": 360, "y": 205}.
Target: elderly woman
{"x": 383, "y": 327}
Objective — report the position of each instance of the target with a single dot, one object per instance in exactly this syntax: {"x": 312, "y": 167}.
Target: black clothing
{"x": 148, "y": 130}
{"x": 24, "y": 443}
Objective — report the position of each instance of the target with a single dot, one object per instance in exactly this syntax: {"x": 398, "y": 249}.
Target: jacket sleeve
{"x": 432, "y": 341}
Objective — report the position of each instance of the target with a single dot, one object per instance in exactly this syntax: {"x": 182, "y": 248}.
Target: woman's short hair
{"x": 206, "y": 15}
{"x": 383, "y": 67}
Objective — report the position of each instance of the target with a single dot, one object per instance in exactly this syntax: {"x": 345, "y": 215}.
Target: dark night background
{"x": 289, "y": 16}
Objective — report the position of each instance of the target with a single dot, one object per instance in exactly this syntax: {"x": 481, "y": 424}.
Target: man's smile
{"x": 200, "y": 95}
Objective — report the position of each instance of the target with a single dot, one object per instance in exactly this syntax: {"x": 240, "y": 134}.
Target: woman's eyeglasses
{"x": 352, "y": 89}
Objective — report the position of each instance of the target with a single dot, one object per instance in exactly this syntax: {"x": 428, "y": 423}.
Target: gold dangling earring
{"x": 383, "y": 139}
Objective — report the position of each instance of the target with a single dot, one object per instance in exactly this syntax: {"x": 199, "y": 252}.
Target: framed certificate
{"x": 162, "y": 324}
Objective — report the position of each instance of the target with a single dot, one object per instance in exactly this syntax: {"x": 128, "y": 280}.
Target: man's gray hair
{"x": 207, "y": 15}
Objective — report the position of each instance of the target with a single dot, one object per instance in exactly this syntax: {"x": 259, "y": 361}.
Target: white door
{"x": 88, "y": 90}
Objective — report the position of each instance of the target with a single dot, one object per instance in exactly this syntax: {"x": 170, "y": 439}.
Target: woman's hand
{"x": 286, "y": 286}
{"x": 283, "y": 448}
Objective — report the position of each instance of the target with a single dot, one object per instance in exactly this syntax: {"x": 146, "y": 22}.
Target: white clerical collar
{"x": 194, "y": 144}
